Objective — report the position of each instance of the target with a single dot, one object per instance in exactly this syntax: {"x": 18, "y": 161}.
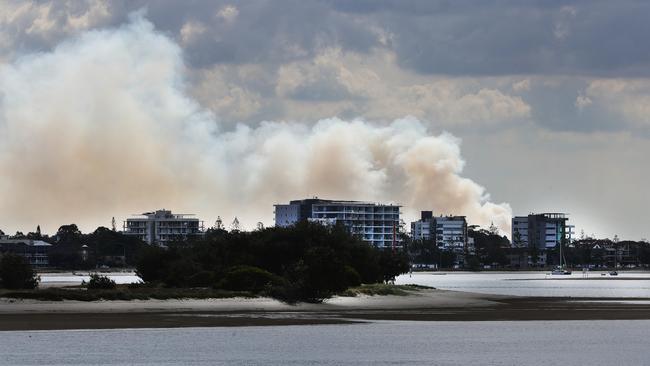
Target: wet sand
{"x": 427, "y": 305}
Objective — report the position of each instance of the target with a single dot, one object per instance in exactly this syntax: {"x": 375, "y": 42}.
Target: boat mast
{"x": 561, "y": 266}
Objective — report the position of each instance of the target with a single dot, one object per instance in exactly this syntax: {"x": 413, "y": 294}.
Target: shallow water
{"x": 594, "y": 284}
{"x": 379, "y": 343}
{"x": 53, "y": 279}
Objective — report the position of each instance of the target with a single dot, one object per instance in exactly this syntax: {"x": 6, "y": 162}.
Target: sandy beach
{"x": 426, "y": 305}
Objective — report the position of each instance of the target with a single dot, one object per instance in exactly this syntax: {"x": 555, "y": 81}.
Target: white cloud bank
{"x": 338, "y": 83}
{"x": 102, "y": 127}
{"x": 628, "y": 99}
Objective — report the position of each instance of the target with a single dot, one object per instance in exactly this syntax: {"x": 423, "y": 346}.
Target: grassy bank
{"x": 382, "y": 289}
{"x": 122, "y": 293}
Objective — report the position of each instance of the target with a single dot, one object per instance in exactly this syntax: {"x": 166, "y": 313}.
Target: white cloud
{"x": 562, "y": 26}
{"x": 228, "y": 13}
{"x": 45, "y": 19}
{"x": 582, "y": 102}
{"x": 522, "y": 85}
{"x": 191, "y": 30}
{"x": 627, "y": 98}
{"x": 375, "y": 87}
{"x": 452, "y": 103}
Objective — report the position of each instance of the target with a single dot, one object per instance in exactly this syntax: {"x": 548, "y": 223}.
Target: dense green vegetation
{"x": 607, "y": 253}
{"x": 73, "y": 250}
{"x": 15, "y": 273}
{"x": 489, "y": 249}
{"x": 121, "y": 292}
{"x": 104, "y": 247}
{"x": 98, "y": 282}
{"x": 306, "y": 262}
{"x": 496, "y": 252}
{"x": 384, "y": 289}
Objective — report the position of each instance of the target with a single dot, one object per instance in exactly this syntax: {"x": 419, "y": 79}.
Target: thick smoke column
{"x": 102, "y": 127}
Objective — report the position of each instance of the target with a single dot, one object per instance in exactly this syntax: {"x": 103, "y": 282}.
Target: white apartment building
{"x": 162, "y": 226}
{"x": 449, "y": 232}
{"x": 542, "y": 231}
{"x": 377, "y": 224}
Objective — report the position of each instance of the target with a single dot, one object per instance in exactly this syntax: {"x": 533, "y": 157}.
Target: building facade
{"x": 424, "y": 229}
{"x": 295, "y": 211}
{"x": 448, "y": 232}
{"x": 541, "y": 231}
{"x": 162, "y": 227}
{"x": 377, "y": 224}
{"x": 35, "y": 252}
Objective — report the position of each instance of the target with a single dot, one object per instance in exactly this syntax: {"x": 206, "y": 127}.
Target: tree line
{"x": 491, "y": 249}
{"x": 305, "y": 262}
{"x": 71, "y": 249}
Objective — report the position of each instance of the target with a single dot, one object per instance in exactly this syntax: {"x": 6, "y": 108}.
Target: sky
{"x": 222, "y": 108}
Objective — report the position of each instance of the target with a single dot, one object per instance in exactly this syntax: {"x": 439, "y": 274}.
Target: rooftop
{"x": 161, "y": 214}
{"x": 356, "y": 203}
{"x": 320, "y": 201}
{"x": 28, "y": 242}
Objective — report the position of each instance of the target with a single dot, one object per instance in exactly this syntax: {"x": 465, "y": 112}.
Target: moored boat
{"x": 560, "y": 271}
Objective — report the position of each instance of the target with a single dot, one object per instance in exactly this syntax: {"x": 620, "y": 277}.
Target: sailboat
{"x": 559, "y": 270}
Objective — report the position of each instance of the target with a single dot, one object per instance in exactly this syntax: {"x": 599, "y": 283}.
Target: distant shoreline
{"x": 428, "y": 305}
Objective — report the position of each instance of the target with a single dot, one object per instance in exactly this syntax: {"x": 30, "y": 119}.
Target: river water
{"x": 379, "y": 343}
{"x": 75, "y": 278}
{"x": 578, "y": 284}
{"x": 591, "y": 284}
{"x": 596, "y": 342}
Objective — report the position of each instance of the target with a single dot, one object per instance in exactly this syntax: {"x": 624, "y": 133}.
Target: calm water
{"x": 626, "y": 284}
{"x": 413, "y": 343}
{"x": 53, "y": 279}
{"x": 536, "y": 283}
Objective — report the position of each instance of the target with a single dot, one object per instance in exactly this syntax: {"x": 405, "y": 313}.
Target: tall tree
{"x": 218, "y": 224}
{"x": 235, "y": 224}
{"x": 15, "y": 273}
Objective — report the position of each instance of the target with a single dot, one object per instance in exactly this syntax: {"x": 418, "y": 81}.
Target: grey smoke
{"x": 102, "y": 126}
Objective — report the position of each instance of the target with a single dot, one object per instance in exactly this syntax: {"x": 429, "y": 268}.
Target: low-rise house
{"x": 523, "y": 258}
{"x": 35, "y": 252}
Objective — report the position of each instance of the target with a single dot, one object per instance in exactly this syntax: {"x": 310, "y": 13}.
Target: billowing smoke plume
{"x": 102, "y": 127}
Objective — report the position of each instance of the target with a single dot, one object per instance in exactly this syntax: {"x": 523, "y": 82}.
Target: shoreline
{"x": 426, "y": 305}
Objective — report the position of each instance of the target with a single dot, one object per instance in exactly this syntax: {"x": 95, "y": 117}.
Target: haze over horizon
{"x": 109, "y": 109}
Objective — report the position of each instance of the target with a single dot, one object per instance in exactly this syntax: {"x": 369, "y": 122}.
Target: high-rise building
{"x": 425, "y": 228}
{"x": 377, "y": 224}
{"x": 449, "y": 232}
{"x": 541, "y": 231}
{"x": 162, "y": 226}
{"x": 295, "y": 211}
